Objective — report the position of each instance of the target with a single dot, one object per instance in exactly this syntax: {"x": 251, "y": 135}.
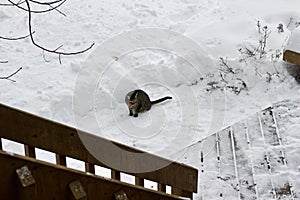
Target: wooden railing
{"x": 36, "y": 132}
{"x": 291, "y": 57}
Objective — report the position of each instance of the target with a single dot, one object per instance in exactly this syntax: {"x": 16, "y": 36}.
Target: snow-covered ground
{"x": 256, "y": 158}
{"x": 201, "y": 52}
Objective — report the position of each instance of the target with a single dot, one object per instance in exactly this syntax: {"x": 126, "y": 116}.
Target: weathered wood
{"x": 61, "y": 160}
{"x": 162, "y": 187}
{"x": 291, "y": 57}
{"x": 52, "y": 182}
{"x": 182, "y": 193}
{"x": 139, "y": 181}
{"x": 26, "y": 184}
{"x": 90, "y": 168}
{"x": 27, "y": 193}
{"x": 29, "y": 151}
{"x": 77, "y": 191}
{"x": 115, "y": 175}
{"x": 1, "y": 148}
{"x": 41, "y": 133}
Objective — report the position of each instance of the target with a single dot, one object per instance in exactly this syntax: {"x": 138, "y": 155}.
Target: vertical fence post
{"x": 90, "y": 168}
{"x": 139, "y": 181}
{"x": 1, "y": 148}
{"x": 115, "y": 175}
{"x": 162, "y": 187}
{"x": 29, "y": 151}
{"x": 61, "y": 160}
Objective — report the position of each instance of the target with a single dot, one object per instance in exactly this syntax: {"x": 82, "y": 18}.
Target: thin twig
{"x": 258, "y": 73}
{"x": 258, "y": 27}
{"x": 222, "y": 77}
{"x": 60, "y": 12}
{"x": 58, "y": 47}
{"x": 38, "y": 11}
{"x": 5, "y": 4}
{"x": 263, "y": 42}
{"x": 3, "y": 62}
{"x": 11, "y": 75}
{"x": 12, "y": 4}
{"x": 43, "y": 48}
{"x": 50, "y": 4}
{"x": 223, "y": 63}
{"x": 17, "y": 38}
{"x": 59, "y": 58}
{"x": 20, "y": 2}
{"x": 243, "y": 83}
{"x": 290, "y": 21}
{"x": 46, "y": 3}
{"x": 44, "y": 57}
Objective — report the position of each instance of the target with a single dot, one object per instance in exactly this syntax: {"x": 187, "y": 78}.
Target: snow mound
{"x": 294, "y": 41}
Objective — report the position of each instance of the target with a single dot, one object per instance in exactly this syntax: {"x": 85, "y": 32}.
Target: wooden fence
{"x": 291, "y": 57}
{"x": 54, "y": 181}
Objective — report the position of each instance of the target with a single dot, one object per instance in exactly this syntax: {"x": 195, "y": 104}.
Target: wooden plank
{"x": 162, "y": 187}
{"x": 48, "y": 186}
{"x": 29, "y": 151}
{"x": 291, "y": 57}
{"x": 139, "y": 181}
{"x": 26, "y": 187}
{"x": 61, "y": 160}
{"x": 90, "y": 168}
{"x": 77, "y": 191}
{"x": 181, "y": 193}
{"x": 116, "y": 175}
{"x": 65, "y": 141}
{"x": 247, "y": 182}
{"x": 28, "y": 193}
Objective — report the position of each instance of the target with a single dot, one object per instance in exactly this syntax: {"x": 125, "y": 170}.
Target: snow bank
{"x": 294, "y": 41}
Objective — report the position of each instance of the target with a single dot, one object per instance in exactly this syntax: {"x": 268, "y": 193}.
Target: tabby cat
{"x": 139, "y": 101}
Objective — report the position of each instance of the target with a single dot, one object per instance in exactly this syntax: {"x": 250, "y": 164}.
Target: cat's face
{"x": 132, "y": 103}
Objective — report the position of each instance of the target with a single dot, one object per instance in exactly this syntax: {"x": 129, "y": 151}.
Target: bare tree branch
{"x": 17, "y": 38}
{"x": 11, "y": 75}
{"x": 54, "y": 4}
{"x": 224, "y": 63}
{"x": 45, "y": 57}
{"x": 43, "y": 48}
{"x": 290, "y": 21}
{"x": 46, "y": 3}
{"x": 60, "y": 12}
{"x": 39, "y": 11}
{"x": 263, "y": 41}
{"x": 5, "y": 4}
{"x": 258, "y": 27}
{"x": 50, "y": 4}
{"x": 59, "y": 58}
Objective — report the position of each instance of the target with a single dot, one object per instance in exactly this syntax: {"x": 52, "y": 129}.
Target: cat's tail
{"x": 160, "y": 100}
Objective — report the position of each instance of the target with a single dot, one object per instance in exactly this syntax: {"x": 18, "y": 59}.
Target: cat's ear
{"x": 136, "y": 95}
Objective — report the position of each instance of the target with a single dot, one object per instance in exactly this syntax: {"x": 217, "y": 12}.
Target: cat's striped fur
{"x": 138, "y": 101}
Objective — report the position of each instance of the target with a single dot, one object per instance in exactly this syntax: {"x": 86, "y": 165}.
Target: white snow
{"x": 294, "y": 41}
{"x": 165, "y": 48}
